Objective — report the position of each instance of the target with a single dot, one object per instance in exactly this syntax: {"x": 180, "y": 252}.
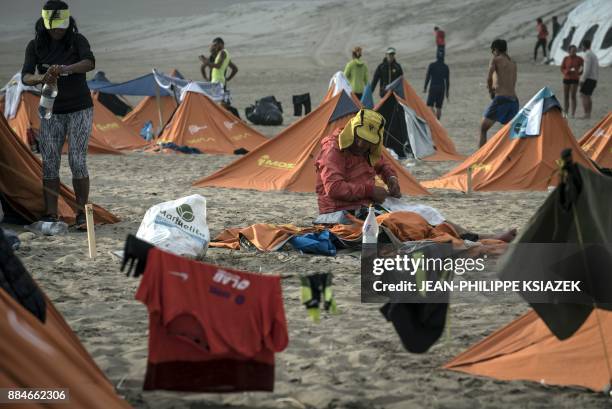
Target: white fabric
{"x": 432, "y": 215}
{"x": 178, "y": 226}
{"x": 12, "y": 95}
{"x": 339, "y": 83}
{"x": 182, "y": 86}
{"x": 591, "y": 66}
{"x": 419, "y": 134}
{"x": 586, "y": 15}
{"x": 528, "y": 120}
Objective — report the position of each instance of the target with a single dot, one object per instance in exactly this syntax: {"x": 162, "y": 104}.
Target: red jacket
{"x": 345, "y": 181}
{"x": 440, "y": 38}
{"x": 569, "y": 62}
{"x": 542, "y": 31}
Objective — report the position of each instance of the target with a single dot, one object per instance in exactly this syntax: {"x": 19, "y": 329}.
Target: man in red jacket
{"x": 348, "y": 163}
{"x": 347, "y": 166}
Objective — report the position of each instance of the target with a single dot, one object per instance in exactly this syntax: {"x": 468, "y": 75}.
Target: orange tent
{"x": 49, "y": 355}
{"x": 200, "y": 123}
{"x": 516, "y": 164}
{"x": 525, "y": 349}
{"x": 286, "y": 162}
{"x": 147, "y": 110}
{"x": 21, "y": 182}
{"x": 597, "y": 142}
{"x": 111, "y": 130}
{"x": 27, "y": 118}
{"x": 400, "y": 91}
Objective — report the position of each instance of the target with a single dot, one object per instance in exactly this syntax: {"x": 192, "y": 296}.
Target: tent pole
{"x": 159, "y": 109}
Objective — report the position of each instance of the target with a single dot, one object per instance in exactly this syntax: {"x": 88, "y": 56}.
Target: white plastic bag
{"x": 178, "y": 226}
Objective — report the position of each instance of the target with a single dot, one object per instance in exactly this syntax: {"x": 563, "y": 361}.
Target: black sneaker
{"x": 49, "y": 218}
{"x": 80, "y": 221}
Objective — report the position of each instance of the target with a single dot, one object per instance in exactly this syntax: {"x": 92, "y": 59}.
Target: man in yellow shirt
{"x": 218, "y": 64}
{"x": 356, "y": 72}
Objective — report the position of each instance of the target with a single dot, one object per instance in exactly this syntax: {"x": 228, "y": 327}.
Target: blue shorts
{"x": 502, "y": 109}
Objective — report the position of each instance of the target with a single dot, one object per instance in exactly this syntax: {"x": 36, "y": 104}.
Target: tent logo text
{"x": 483, "y": 166}
{"x": 194, "y": 129}
{"x": 229, "y": 125}
{"x": 239, "y": 137}
{"x": 107, "y": 127}
{"x": 267, "y": 162}
{"x": 196, "y": 140}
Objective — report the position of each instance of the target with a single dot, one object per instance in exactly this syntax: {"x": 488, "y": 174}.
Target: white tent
{"x": 590, "y": 20}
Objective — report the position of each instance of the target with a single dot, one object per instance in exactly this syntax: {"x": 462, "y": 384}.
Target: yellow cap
{"x": 368, "y": 125}
{"x": 56, "y": 18}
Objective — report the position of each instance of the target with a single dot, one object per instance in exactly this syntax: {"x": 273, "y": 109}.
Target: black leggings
{"x": 541, "y": 43}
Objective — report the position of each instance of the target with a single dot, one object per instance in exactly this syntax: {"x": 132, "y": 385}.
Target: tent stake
{"x": 469, "y": 180}
{"x": 91, "y": 233}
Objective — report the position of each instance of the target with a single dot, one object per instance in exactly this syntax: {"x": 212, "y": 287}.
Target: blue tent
{"x": 98, "y": 81}
{"x": 141, "y": 86}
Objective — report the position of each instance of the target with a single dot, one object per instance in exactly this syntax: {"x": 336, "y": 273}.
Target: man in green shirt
{"x": 356, "y": 72}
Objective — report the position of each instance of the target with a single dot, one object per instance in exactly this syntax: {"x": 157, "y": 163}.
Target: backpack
{"x": 266, "y": 111}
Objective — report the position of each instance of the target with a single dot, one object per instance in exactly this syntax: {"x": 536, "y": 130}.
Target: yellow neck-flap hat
{"x": 56, "y": 15}
{"x": 368, "y": 125}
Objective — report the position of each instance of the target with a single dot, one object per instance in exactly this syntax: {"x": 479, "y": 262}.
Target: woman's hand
{"x": 394, "y": 187}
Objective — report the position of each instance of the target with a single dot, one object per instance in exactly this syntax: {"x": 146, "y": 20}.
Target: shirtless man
{"x": 501, "y": 83}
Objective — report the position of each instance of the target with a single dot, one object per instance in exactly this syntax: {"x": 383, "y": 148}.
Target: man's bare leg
{"x": 587, "y": 105}
{"x": 485, "y": 125}
{"x": 506, "y": 236}
{"x": 438, "y": 113}
{"x": 566, "y": 88}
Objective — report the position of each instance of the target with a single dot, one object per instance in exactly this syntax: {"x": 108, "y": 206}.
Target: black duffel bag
{"x": 266, "y": 111}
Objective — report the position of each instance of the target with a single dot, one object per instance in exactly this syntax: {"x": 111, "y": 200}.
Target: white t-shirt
{"x": 591, "y": 66}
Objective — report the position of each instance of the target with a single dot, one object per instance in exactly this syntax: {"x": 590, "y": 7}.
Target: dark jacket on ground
{"x": 386, "y": 73}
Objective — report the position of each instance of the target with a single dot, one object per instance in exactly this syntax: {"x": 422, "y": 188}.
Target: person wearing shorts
{"x": 62, "y": 56}
{"x": 438, "y": 74}
{"x": 571, "y": 67}
{"x": 501, "y": 83}
{"x": 589, "y": 78}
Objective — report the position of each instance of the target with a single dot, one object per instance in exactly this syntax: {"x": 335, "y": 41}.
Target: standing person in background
{"x": 589, "y": 78}
{"x": 571, "y": 67}
{"x": 387, "y": 71}
{"x": 218, "y": 68}
{"x": 501, "y": 83}
{"x": 62, "y": 56}
{"x": 440, "y": 42}
{"x": 556, "y": 27}
{"x": 439, "y": 75}
{"x": 356, "y": 72}
{"x": 542, "y": 36}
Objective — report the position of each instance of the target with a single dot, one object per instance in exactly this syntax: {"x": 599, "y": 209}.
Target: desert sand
{"x": 350, "y": 360}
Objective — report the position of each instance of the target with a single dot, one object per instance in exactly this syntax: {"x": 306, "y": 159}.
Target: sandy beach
{"x": 351, "y": 360}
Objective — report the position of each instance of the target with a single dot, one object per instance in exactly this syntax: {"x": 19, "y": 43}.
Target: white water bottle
{"x": 370, "y": 228}
{"x": 47, "y": 98}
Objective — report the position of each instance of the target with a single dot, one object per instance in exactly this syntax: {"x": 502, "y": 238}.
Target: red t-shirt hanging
{"x": 211, "y": 329}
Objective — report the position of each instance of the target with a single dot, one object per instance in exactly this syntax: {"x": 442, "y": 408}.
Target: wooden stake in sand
{"x": 469, "y": 180}
{"x": 91, "y": 232}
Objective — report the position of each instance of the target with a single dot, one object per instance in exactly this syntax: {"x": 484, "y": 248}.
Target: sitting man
{"x": 347, "y": 166}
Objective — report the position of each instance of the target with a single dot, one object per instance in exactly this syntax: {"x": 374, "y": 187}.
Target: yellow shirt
{"x": 218, "y": 74}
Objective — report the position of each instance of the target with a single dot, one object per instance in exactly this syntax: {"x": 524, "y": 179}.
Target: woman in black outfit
{"x": 60, "y": 54}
